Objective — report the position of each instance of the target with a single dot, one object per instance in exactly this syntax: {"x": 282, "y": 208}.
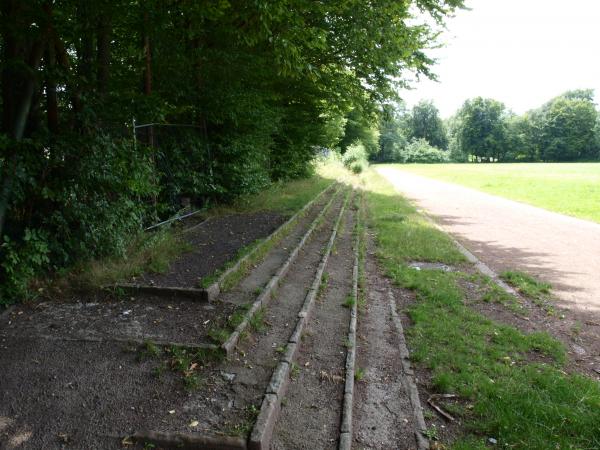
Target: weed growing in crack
{"x": 349, "y": 302}
{"x": 294, "y": 371}
{"x": 495, "y": 294}
{"x": 149, "y": 350}
{"x": 526, "y": 284}
{"x": 538, "y": 291}
{"x": 159, "y": 370}
{"x": 359, "y": 373}
{"x": 182, "y": 360}
{"x": 431, "y": 433}
{"x": 257, "y": 321}
{"x": 324, "y": 283}
{"x": 429, "y": 415}
{"x": 218, "y": 334}
{"x": 244, "y": 428}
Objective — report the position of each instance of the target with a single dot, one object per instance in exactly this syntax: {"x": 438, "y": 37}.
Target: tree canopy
{"x": 257, "y": 86}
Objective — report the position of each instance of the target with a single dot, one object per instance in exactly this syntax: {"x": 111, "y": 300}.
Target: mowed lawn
{"x": 566, "y": 188}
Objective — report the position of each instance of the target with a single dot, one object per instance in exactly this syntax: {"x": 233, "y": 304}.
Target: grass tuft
{"x": 151, "y": 252}
{"x": 527, "y": 285}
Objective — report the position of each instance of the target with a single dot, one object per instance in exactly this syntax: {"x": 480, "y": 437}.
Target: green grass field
{"x": 567, "y": 188}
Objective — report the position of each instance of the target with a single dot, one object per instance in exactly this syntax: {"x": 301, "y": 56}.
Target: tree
{"x": 567, "y": 128}
{"x": 259, "y": 86}
{"x": 483, "y": 129}
{"x": 361, "y": 126}
{"x": 425, "y": 122}
{"x": 391, "y": 134}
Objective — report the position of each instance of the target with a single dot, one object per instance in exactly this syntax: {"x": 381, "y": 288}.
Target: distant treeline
{"x": 567, "y": 128}
{"x": 256, "y": 88}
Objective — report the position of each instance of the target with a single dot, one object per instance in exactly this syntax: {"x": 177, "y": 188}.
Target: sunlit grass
{"x": 567, "y": 188}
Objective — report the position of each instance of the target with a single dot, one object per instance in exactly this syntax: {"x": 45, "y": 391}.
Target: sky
{"x": 521, "y": 52}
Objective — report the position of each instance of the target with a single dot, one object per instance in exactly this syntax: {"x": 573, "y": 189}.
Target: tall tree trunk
{"x": 147, "y": 56}
{"x": 103, "y": 54}
{"x": 9, "y": 75}
{"x": 19, "y": 122}
{"x": 86, "y": 47}
{"x": 147, "y": 45}
{"x": 51, "y": 98}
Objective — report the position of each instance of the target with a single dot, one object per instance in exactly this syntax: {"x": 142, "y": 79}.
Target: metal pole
{"x": 134, "y": 137}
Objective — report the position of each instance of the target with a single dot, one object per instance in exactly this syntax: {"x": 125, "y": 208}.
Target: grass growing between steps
{"x": 149, "y": 252}
{"x": 284, "y": 197}
{"x": 512, "y": 386}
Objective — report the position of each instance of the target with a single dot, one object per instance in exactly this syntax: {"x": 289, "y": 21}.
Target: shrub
{"x": 357, "y": 167}
{"x": 355, "y": 152}
{"x": 355, "y": 158}
{"x": 420, "y": 151}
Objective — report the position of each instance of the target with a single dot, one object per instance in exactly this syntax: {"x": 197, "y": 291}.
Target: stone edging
{"x": 345, "y": 442}
{"x": 273, "y": 283}
{"x": 190, "y": 440}
{"x": 163, "y": 291}
{"x": 408, "y": 377}
{"x": 260, "y": 437}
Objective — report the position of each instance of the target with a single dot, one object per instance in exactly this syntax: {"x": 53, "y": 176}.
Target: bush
{"x": 355, "y": 158}
{"x": 357, "y": 167}
{"x": 420, "y": 151}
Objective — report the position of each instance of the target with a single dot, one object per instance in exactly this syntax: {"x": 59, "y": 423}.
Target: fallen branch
{"x": 437, "y": 408}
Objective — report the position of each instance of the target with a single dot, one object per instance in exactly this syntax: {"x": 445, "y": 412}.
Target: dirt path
{"x": 505, "y": 234}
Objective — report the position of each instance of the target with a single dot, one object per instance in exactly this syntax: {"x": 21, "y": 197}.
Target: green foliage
{"x": 420, "y": 151}
{"x": 564, "y": 129}
{"x": 361, "y": 126}
{"x": 260, "y": 87}
{"x": 482, "y": 130}
{"x": 425, "y": 123}
{"x": 355, "y": 153}
{"x": 392, "y": 138}
{"x": 20, "y": 262}
{"x": 567, "y": 129}
{"x": 526, "y": 284}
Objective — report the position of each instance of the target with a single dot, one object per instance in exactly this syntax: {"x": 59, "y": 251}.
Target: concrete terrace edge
{"x": 209, "y": 293}
{"x": 408, "y": 376}
{"x": 266, "y": 295}
{"x": 262, "y": 432}
{"x": 345, "y": 442}
{"x": 215, "y": 289}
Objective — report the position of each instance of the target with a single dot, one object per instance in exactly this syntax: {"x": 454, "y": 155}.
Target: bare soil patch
{"x": 214, "y": 243}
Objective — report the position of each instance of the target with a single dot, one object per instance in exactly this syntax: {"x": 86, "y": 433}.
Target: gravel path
{"x": 505, "y": 234}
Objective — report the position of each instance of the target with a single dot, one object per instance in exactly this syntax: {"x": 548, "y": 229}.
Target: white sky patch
{"x": 521, "y": 52}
